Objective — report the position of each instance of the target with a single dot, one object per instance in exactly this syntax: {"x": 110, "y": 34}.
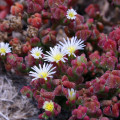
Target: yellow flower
{"x": 48, "y": 106}
{"x": 36, "y": 52}
{"x": 71, "y": 94}
{"x": 45, "y": 71}
{"x": 71, "y": 14}
{"x": 71, "y": 45}
{"x": 58, "y": 57}
{"x": 71, "y": 49}
{"x": 55, "y": 54}
{"x": 4, "y": 48}
{"x": 43, "y": 75}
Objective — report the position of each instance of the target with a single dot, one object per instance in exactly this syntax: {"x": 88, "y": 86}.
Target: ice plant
{"x": 4, "y": 9}
{"x": 4, "y": 48}
{"x": 45, "y": 71}
{"x": 79, "y": 113}
{"x": 48, "y": 106}
{"x": 86, "y": 83}
{"x": 55, "y": 54}
{"x": 71, "y": 14}
{"x": 36, "y": 52}
{"x": 71, "y": 94}
{"x": 16, "y": 9}
{"x": 35, "y": 20}
{"x": 70, "y": 46}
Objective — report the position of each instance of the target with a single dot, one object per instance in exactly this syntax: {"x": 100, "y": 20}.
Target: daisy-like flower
{"x": 71, "y": 14}
{"x": 56, "y": 54}
{"x": 48, "y": 106}
{"x": 36, "y": 52}
{"x": 70, "y": 46}
{"x": 71, "y": 94}
{"x": 42, "y": 72}
{"x": 4, "y": 48}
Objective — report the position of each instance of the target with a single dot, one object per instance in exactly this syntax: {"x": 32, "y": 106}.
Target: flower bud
{"x": 68, "y": 84}
{"x": 34, "y": 41}
{"x": 35, "y": 20}
{"x": 71, "y": 95}
{"x": 26, "y": 90}
{"x": 69, "y": 71}
{"x": 17, "y": 9}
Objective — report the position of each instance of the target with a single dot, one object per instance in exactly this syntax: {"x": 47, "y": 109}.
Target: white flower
{"x": 48, "y": 106}
{"x": 70, "y": 46}
{"x": 4, "y": 48}
{"x": 71, "y": 94}
{"x": 36, "y": 52}
{"x": 71, "y": 14}
{"x": 56, "y": 54}
{"x": 42, "y": 72}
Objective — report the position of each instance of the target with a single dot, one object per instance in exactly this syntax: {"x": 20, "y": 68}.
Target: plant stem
{"x": 1, "y": 114}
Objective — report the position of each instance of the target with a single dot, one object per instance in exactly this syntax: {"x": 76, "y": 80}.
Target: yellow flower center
{"x": 71, "y": 14}
{"x": 43, "y": 75}
{"x": 71, "y": 93}
{"x": 58, "y": 57}
{"x": 71, "y": 49}
{"x": 3, "y": 50}
{"x": 37, "y": 54}
{"x": 49, "y": 106}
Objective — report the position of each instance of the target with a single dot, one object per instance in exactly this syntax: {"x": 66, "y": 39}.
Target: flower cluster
{"x": 72, "y": 65}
